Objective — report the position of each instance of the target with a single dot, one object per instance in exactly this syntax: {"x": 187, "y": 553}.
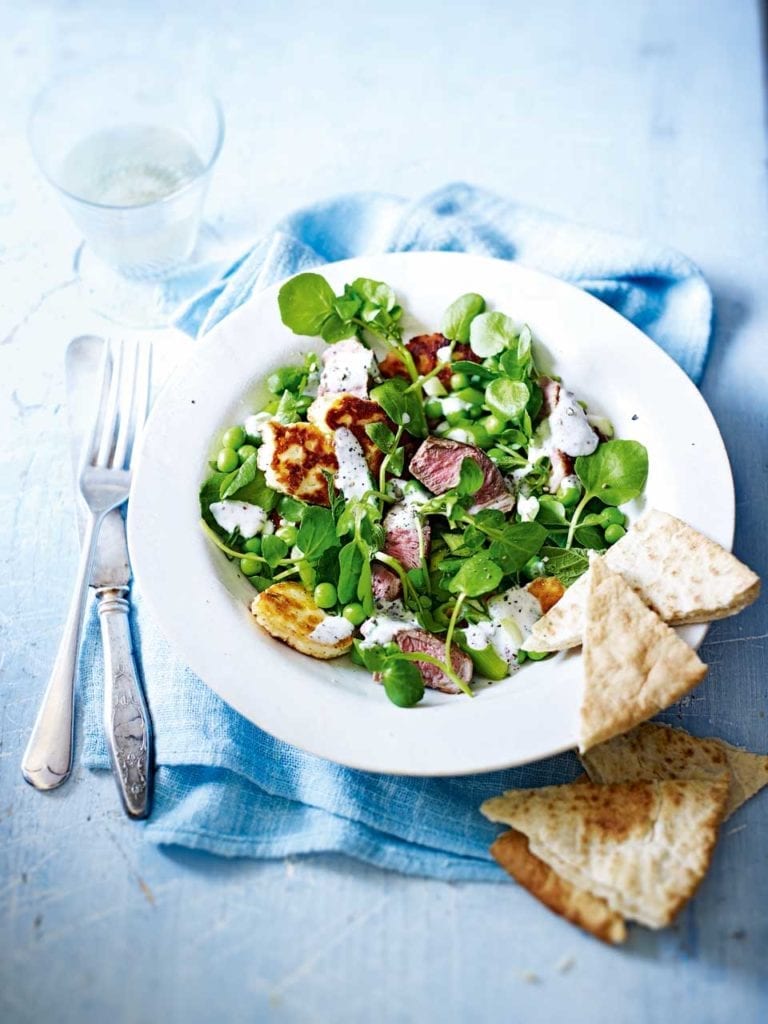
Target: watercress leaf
{"x": 404, "y": 407}
{"x": 615, "y": 473}
{"x": 374, "y": 658}
{"x": 257, "y": 493}
{"x": 381, "y": 436}
{"x": 305, "y": 303}
{"x": 210, "y": 492}
{"x": 348, "y": 305}
{"x": 590, "y": 537}
{"x": 307, "y": 574}
{"x": 551, "y": 511}
{"x": 288, "y": 408}
{"x": 460, "y": 314}
{"x": 291, "y": 509}
{"x": 568, "y": 565}
{"x": 241, "y": 477}
{"x": 336, "y": 329}
{"x": 490, "y": 333}
{"x": 376, "y": 293}
{"x": 350, "y": 567}
{"x": 471, "y": 478}
{"x": 490, "y": 519}
{"x": 507, "y": 398}
{"x": 478, "y": 575}
{"x": 365, "y": 588}
{"x": 397, "y": 461}
{"x": 472, "y": 369}
{"x": 403, "y": 683}
{"x": 317, "y": 532}
{"x": 273, "y": 549}
{"x": 518, "y": 543}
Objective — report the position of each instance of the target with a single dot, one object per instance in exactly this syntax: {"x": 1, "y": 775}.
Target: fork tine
{"x": 105, "y": 378}
{"x": 109, "y": 424}
{"x": 127, "y": 402}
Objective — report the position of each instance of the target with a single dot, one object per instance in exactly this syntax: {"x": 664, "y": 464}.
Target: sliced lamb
{"x": 401, "y": 531}
{"x": 551, "y": 392}
{"x": 419, "y": 641}
{"x": 385, "y": 584}
{"x": 346, "y": 368}
{"x": 562, "y": 466}
{"x": 424, "y": 349}
{"x": 437, "y": 465}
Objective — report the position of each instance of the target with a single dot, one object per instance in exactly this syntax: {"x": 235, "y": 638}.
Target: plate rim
{"x": 206, "y": 345}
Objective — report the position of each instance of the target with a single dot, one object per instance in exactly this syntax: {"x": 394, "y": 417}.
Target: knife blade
{"x": 127, "y": 723}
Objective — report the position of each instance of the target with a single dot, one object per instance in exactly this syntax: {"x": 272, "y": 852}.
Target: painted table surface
{"x": 647, "y": 117}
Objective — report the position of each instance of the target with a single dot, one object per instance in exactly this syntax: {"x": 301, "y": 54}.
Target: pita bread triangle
{"x": 578, "y": 906}
{"x": 642, "y": 847}
{"x": 634, "y": 664}
{"x": 677, "y": 571}
{"x": 657, "y": 751}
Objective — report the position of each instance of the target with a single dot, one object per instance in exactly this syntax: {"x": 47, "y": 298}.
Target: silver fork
{"x": 104, "y": 483}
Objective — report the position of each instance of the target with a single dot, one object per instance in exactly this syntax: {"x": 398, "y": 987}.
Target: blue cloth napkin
{"x": 222, "y": 784}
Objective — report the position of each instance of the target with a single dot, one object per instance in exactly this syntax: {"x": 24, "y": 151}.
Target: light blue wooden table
{"x": 647, "y": 117}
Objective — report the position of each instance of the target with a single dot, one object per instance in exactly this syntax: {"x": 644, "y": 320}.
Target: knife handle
{"x": 127, "y": 724}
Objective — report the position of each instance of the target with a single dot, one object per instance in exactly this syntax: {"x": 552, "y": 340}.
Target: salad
{"x": 416, "y": 504}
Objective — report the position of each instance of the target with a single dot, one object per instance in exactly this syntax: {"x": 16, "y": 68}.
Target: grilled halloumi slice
{"x": 329, "y": 412}
{"x": 294, "y": 457}
{"x": 287, "y": 612}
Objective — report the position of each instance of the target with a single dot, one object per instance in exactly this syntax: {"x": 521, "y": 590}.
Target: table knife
{"x": 127, "y": 724}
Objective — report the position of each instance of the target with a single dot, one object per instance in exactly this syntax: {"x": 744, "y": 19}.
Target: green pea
{"x": 613, "y": 517}
{"x": 474, "y": 412}
{"x": 289, "y": 534}
{"x": 227, "y": 460}
{"x": 538, "y": 655}
{"x": 614, "y": 532}
{"x": 285, "y": 379}
{"x": 403, "y": 683}
{"x": 479, "y": 434}
{"x": 495, "y": 426}
{"x": 245, "y": 451}
{"x": 233, "y": 438}
{"x": 253, "y": 545}
{"x": 471, "y": 395}
{"x": 354, "y": 613}
{"x": 569, "y": 497}
{"x": 459, "y": 381}
{"x": 250, "y": 566}
{"x": 325, "y": 595}
{"x": 433, "y": 410}
{"x": 534, "y": 568}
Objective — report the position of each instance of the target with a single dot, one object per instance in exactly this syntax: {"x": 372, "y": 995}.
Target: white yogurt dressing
{"x": 443, "y": 354}
{"x": 353, "y": 478}
{"x": 453, "y": 404}
{"x": 255, "y": 424}
{"x": 512, "y": 617}
{"x": 527, "y": 507}
{"x": 569, "y": 427}
{"x": 346, "y": 367}
{"x": 391, "y": 619}
{"x": 249, "y": 519}
{"x": 332, "y": 630}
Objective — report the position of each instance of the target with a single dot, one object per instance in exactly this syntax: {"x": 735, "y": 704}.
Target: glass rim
{"x": 58, "y": 80}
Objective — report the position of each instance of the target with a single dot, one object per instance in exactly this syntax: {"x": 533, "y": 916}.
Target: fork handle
{"x": 127, "y": 724}
{"x": 47, "y": 761}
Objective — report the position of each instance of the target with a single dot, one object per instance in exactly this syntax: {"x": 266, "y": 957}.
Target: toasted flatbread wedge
{"x": 643, "y": 847}
{"x": 634, "y": 664}
{"x": 576, "y": 905}
{"x": 287, "y": 612}
{"x": 656, "y": 751}
{"x": 294, "y": 457}
{"x": 676, "y": 570}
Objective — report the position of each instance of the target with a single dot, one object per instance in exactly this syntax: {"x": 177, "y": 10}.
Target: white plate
{"x": 333, "y": 708}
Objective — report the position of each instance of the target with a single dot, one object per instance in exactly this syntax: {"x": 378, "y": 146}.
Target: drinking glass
{"x": 130, "y": 149}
